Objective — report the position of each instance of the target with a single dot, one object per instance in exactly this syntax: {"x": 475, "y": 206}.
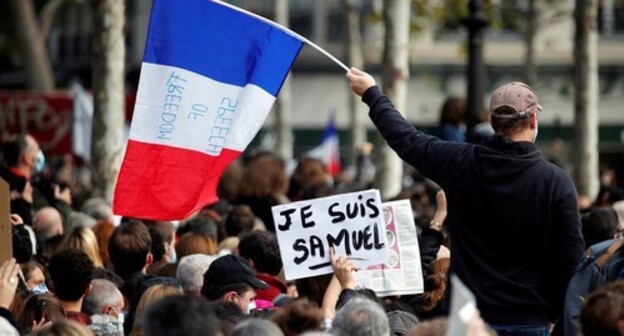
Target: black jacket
{"x": 512, "y": 217}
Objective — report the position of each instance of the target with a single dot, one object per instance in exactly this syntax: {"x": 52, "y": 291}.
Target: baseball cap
{"x": 514, "y": 100}
{"x": 232, "y": 269}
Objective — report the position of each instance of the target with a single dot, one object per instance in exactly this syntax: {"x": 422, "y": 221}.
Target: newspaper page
{"x": 402, "y": 273}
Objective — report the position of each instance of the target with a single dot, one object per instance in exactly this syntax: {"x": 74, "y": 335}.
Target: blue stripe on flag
{"x": 220, "y": 43}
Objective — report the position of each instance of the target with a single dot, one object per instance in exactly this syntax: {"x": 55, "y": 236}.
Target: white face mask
{"x": 40, "y": 289}
{"x": 121, "y": 318}
{"x": 174, "y": 256}
{"x": 40, "y": 163}
{"x": 251, "y": 306}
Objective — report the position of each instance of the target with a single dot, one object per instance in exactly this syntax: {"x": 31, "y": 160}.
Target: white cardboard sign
{"x": 352, "y": 223}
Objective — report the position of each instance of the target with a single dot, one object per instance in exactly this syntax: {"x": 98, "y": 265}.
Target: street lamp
{"x": 476, "y": 22}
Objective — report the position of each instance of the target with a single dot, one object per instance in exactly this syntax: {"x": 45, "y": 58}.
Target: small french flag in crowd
{"x": 209, "y": 77}
{"x": 329, "y": 149}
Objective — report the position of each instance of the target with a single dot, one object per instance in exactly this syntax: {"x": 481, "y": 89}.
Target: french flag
{"x": 328, "y": 150}
{"x": 209, "y": 77}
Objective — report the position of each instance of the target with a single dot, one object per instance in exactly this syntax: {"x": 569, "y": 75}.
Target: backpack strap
{"x": 608, "y": 253}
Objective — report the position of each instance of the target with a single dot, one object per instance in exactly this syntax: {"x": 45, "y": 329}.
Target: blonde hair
{"x": 151, "y": 295}
{"x": 84, "y": 239}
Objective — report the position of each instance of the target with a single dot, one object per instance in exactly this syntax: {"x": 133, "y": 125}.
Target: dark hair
{"x": 216, "y": 292}
{"x": 163, "y": 269}
{"x": 603, "y": 310}
{"x": 508, "y": 126}
{"x": 106, "y": 274}
{"x": 200, "y": 224}
{"x": 262, "y": 248}
{"x": 149, "y": 281}
{"x": 128, "y": 247}
{"x": 313, "y": 287}
{"x": 229, "y": 314}
{"x": 165, "y": 228}
{"x": 158, "y": 244}
{"x": 365, "y": 293}
{"x": 13, "y": 150}
{"x": 70, "y": 271}
{"x": 599, "y": 224}
{"x": 298, "y": 316}
{"x": 453, "y": 111}
{"x": 240, "y": 220}
{"x": 229, "y": 182}
{"x": 180, "y": 315}
{"x": 51, "y": 246}
{"x": 38, "y": 306}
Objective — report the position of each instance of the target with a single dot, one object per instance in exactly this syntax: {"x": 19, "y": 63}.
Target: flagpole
{"x": 286, "y": 30}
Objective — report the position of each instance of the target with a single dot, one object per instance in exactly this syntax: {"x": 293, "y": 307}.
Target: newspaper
{"x": 402, "y": 273}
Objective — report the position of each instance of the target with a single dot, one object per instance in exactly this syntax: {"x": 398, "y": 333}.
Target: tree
{"x": 395, "y": 75}
{"x": 283, "y": 106}
{"x": 37, "y": 64}
{"x": 108, "y": 94}
{"x": 355, "y": 58}
{"x": 538, "y": 14}
{"x": 530, "y": 71}
{"x": 586, "y": 98}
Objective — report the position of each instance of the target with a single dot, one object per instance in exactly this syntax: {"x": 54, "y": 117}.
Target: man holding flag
{"x": 512, "y": 216}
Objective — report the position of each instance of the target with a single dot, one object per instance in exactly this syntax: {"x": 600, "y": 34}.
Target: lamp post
{"x": 476, "y": 22}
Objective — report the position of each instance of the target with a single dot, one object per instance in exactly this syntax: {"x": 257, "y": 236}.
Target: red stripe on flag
{"x": 167, "y": 183}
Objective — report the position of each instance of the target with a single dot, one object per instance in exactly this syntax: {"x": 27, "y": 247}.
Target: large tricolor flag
{"x": 209, "y": 77}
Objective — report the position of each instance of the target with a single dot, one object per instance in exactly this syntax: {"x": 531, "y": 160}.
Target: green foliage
{"x": 447, "y": 15}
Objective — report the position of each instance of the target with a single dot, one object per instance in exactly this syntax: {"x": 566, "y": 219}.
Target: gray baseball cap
{"x": 515, "y": 100}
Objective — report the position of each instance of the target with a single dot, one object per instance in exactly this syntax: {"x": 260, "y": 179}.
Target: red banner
{"x": 46, "y": 116}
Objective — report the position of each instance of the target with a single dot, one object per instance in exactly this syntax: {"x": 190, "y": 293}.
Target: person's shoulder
{"x": 555, "y": 170}
{"x": 559, "y": 178}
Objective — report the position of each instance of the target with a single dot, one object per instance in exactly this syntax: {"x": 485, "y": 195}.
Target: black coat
{"x": 512, "y": 216}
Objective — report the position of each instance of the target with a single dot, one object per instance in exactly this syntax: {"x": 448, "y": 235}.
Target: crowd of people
{"x": 499, "y": 216}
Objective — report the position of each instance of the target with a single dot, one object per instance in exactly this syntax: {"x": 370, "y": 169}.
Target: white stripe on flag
{"x": 173, "y": 104}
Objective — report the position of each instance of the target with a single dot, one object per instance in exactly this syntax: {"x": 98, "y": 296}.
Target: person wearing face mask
{"x": 105, "y": 305}
{"x": 34, "y": 276}
{"x": 21, "y": 160}
{"x": 24, "y": 162}
{"x": 512, "y": 217}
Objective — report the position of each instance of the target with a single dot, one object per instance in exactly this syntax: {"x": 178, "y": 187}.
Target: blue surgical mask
{"x": 40, "y": 164}
{"x": 40, "y": 289}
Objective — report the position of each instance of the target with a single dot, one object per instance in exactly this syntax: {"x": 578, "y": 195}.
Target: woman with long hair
{"x": 83, "y": 239}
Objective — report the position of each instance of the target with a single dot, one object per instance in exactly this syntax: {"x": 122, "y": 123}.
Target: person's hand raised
{"x": 8, "y": 282}
{"x": 360, "y": 81}
{"x": 440, "y": 214}
{"x": 343, "y": 270}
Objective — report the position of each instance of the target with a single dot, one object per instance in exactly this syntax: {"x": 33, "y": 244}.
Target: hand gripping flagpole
{"x": 286, "y": 30}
